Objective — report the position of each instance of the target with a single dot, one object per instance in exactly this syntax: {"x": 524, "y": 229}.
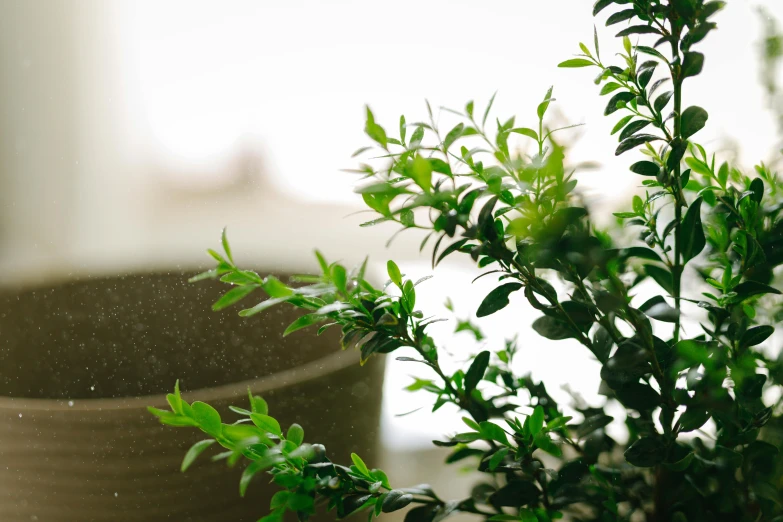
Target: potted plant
{"x": 695, "y": 399}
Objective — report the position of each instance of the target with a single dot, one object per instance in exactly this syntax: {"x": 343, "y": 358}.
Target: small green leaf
{"x": 497, "y": 299}
{"x": 638, "y": 205}
{"x": 360, "y": 465}
{"x": 530, "y": 133}
{"x": 303, "y": 322}
{"x": 257, "y": 404}
{"x": 621, "y": 123}
{"x": 394, "y": 273}
{"x": 295, "y": 434}
{"x": 194, "y": 451}
{"x": 491, "y": 431}
{"x": 497, "y": 458}
{"x": 544, "y": 442}
{"x": 453, "y": 135}
{"x": 232, "y": 296}
{"x": 544, "y": 105}
{"x": 609, "y": 87}
{"x": 226, "y": 247}
{"x": 340, "y": 278}
{"x": 421, "y": 173}
{"x": 266, "y": 423}
{"x": 536, "y": 421}
{"x": 207, "y": 417}
{"x": 576, "y": 62}
{"x": 275, "y": 288}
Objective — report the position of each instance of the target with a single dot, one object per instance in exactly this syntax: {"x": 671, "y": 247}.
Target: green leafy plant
{"x": 686, "y": 364}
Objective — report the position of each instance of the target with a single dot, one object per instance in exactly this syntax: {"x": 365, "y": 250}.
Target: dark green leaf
{"x": 751, "y": 288}
{"x": 693, "y": 120}
{"x": 757, "y": 188}
{"x": 620, "y": 16}
{"x": 657, "y": 308}
{"x": 694, "y": 418}
{"x": 756, "y": 335}
{"x": 645, "y": 168}
{"x": 619, "y": 97}
{"x": 476, "y": 371}
{"x": 593, "y": 423}
{"x": 661, "y": 276}
{"x": 497, "y": 299}
{"x": 646, "y": 452}
{"x": 551, "y": 328}
{"x": 451, "y": 248}
{"x": 600, "y": 5}
{"x": 692, "y": 232}
{"x": 633, "y": 128}
{"x": 395, "y": 500}
{"x": 692, "y": 64}
{"x": 638, "y": 29}
{"x": 661, "y": 101}
{"x": 634, "y": 141}
{"x": 515, "y": 494}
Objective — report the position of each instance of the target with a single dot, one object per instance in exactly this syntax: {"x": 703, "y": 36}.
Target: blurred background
{"x": 131, "y": 132}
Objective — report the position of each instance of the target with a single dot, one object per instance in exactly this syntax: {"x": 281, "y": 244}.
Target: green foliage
{"x": 710, "y": 226}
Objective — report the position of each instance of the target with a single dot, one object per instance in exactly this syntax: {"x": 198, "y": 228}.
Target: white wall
{"x": 131, "y": 132}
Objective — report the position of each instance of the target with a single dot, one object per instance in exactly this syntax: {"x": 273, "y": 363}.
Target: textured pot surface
{"x": 80, "y": 362}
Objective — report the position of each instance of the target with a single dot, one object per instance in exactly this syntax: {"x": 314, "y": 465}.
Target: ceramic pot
{"x": 81, "y": 361}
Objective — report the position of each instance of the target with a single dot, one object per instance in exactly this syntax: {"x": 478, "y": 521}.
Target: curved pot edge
{"x": 289, "y": 377}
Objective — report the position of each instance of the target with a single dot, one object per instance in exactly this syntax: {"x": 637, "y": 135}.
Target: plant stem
{"x": 678, "y": 268}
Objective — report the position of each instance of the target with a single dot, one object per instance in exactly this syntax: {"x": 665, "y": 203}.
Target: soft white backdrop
{"x": 174, "y": 118}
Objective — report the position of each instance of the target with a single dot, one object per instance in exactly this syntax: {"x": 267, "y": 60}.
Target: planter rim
{"x": 282, "y": 379}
